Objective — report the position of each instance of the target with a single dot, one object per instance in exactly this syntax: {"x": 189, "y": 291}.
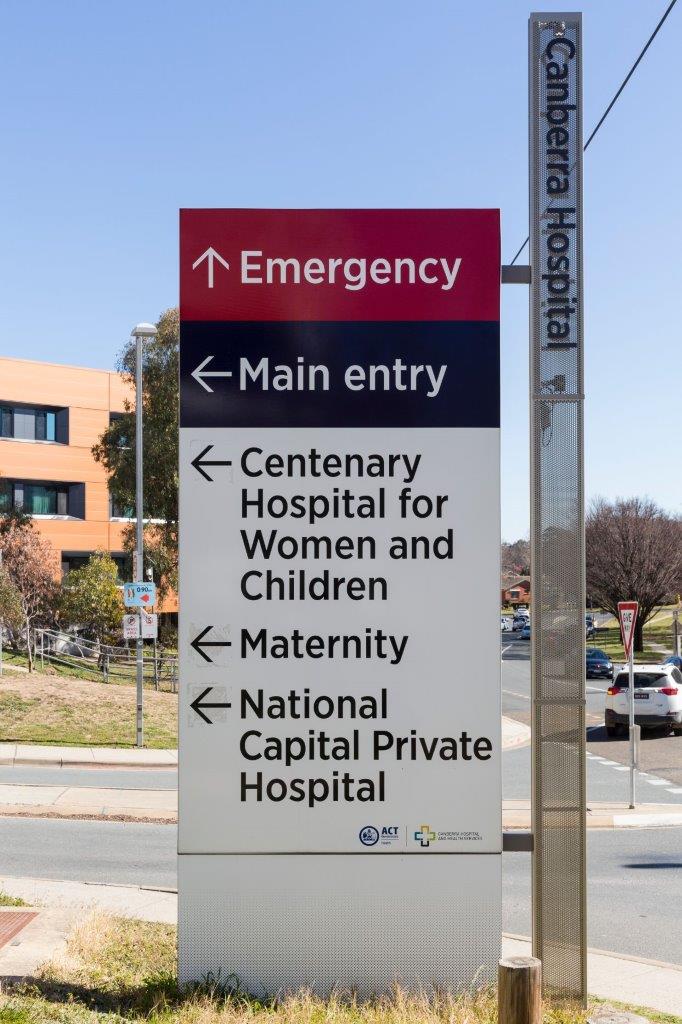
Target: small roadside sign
{"x": 139, "y": 595}
{"x": 627, "y": 615}
{"x": 131, "y": 627}
{"x": 149, "y": 625}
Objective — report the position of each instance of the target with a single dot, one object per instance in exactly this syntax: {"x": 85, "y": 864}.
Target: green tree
{"x": 91, "y": 598}
{"x": 115, "y": 449}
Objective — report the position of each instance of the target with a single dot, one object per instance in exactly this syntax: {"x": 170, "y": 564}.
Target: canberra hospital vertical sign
{"x": 340, "y": 804}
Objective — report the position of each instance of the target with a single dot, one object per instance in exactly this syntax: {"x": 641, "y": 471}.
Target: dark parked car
{"x": 597, "y": 664}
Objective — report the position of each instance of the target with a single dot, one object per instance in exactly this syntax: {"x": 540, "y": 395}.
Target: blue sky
{"x": 116, "y": 115}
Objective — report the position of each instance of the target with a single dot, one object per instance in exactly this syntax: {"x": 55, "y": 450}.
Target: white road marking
{"x": 658, "y": 782}
{"x": 513, "y": 693}
{"x": 675, "y": 789}
{"x": 622, "y": 768}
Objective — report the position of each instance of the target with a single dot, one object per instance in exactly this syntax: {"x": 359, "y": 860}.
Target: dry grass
{"x": 55, "y": 709}
{"x": 118, "y": 971}
{"x": 10, "y": 901}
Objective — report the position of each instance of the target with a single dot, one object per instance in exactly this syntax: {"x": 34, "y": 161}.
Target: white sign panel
{"x": 131, "y": 627}
{"x": 339, "y": 565}
{"x": 149, "y": 626}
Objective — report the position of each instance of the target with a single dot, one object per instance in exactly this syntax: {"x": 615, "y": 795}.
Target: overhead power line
{"x": 617, "y": 94}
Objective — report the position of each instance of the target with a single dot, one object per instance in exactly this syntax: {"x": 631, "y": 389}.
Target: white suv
{"x": 658, "y": 699}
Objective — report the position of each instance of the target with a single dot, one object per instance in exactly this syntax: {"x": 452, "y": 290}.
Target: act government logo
{"x": 369, "y": 835}
{"x": 385, "y": 834}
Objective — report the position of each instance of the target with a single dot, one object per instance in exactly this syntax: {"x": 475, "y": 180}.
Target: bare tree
{"x": 32, "y": 567}
{"x": 633, "y": 553}
{"x": 515, "y": 557}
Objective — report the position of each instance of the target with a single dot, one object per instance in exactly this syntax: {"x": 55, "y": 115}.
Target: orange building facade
{"x": 50, "y": 417}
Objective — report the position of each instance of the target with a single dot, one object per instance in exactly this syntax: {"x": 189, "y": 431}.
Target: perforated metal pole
{"x": 557, "y": 503}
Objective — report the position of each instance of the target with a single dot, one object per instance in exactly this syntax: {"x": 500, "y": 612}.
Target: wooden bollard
{"x": 519, "y": 990}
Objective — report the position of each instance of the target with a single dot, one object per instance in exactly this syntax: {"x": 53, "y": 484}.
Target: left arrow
{"x": 199, "y": 643}
{"x": 198, "y": 705}
{"x": 199, "y": 462}
{"x": 200, "y": 373}
{"x": 210, "y": 256}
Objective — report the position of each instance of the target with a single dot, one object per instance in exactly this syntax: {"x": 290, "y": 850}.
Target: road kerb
{"x": 516, "y": 814}
{"x": 15, "y": 754}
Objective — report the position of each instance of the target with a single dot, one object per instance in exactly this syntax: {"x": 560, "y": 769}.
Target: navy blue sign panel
{"x": 354, "y": 374}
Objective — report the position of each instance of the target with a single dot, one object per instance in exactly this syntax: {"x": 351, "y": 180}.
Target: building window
{"x": 43, "y": 499}
{"x": 77, "y": 559}
{"x": 33, "y": 423}
{"x": 120, "y": 511}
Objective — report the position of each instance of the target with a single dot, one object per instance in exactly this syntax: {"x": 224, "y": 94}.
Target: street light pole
{"x": 140, "y": 332}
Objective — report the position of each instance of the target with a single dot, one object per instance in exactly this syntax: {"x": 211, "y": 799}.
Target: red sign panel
{"x": 339, "y": 265}
{"x": 627, "y": 614}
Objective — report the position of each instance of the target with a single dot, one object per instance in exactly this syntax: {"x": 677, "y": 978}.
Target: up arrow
{"x": 210, "y": 256}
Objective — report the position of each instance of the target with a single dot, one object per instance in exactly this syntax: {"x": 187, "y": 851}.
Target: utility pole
{"x": 140, "y": 332}
{"x": 2, "y": 624}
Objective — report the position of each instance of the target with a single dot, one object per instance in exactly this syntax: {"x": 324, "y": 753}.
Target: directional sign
{"x": 139, "y": 595}
{"x": 200, "y": 645}
{"x": 210, "y": 257}
{"x": 200, "y": 462}
{"x": 131, "y": 627}
{"x": 201, "y": 705}
{"x": 339, "y": 520}
{"x": 627, "y": 615}
{"x": 200, "y": 373}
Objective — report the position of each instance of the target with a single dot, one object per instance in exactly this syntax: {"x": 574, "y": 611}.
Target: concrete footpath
{"x": 645, "y": 983}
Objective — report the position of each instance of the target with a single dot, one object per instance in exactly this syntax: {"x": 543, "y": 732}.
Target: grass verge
{"x": 608, "y": 640}
{"x": 53, "y": 709}
{"x": 117, "y": 971}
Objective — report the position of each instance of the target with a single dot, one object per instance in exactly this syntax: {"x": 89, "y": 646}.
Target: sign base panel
{"x": 281, "y": 922}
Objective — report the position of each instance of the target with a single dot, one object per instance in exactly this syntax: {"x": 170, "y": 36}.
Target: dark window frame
{"x": 47, "y": 420}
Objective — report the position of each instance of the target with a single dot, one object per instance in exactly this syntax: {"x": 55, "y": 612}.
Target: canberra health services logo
{"x": 424, "y": 835}
{"x": 369, "y": 835}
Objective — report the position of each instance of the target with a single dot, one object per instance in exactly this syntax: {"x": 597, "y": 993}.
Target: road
{"x": 634, "y": 881}
{"x": 100, "y": 778}
{"x": 634, "y": 876}
{"x": 88, "y": 851}
{"x": 660, "y": 755}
